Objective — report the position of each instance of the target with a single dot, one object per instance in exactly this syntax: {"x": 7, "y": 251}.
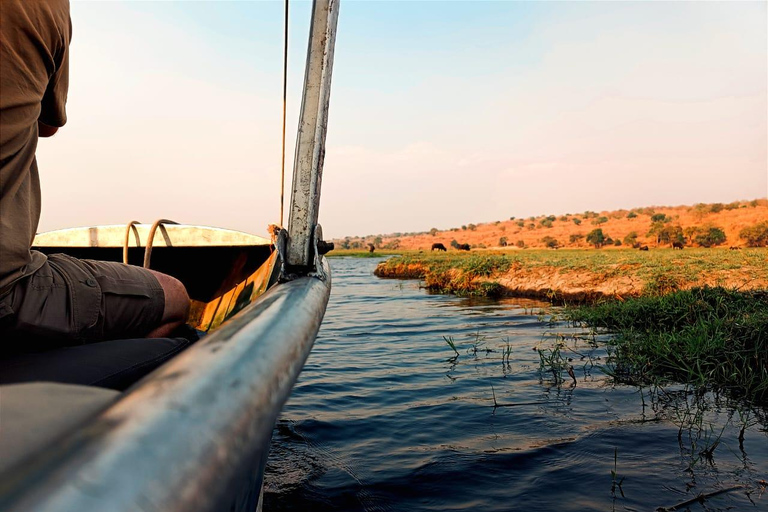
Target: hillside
{"x": 654, "y": 226}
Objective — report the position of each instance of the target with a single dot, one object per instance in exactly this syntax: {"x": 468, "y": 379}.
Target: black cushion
{"x": 114, "y": 364}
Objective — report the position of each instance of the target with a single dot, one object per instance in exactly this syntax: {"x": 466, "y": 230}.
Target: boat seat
{"x": 32, "y": 416}
{"x": 114, "y": 364}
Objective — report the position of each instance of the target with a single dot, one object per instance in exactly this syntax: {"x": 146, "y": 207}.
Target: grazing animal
{"x": 371, "y": 247}
{"x": 438, "y": 247}
{"x": 677, "y": 245}
{"x": 735, "y": 248}
{"x": 644, "y": 248}
{"x": 463, "y": 247}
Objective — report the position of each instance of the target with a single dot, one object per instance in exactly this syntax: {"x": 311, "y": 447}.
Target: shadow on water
{"x": 387, "y": 416}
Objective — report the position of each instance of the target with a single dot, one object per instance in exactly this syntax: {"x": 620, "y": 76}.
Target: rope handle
{"x": 151, "y": 238}
{"x": 130, "y": 225}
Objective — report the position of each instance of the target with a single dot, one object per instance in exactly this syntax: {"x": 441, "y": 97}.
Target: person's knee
{"x": 176, "y": 298}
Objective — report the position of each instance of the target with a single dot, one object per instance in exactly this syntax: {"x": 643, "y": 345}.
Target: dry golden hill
{"x": 679, "y": 222}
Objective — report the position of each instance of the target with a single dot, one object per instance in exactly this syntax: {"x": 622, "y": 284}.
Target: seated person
{"x": 58, "y": 299}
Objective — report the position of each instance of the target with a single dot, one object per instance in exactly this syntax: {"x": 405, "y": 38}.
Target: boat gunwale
{"x": 193, "y": 434}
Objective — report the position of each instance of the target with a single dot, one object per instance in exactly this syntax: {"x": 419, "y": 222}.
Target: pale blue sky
{"x": 442, "y": 113}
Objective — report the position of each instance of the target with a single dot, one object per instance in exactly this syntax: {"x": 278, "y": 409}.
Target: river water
{"x": 385, "y": 416}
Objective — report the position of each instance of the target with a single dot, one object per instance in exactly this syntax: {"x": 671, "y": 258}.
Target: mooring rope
{"x": 285, "y": 99}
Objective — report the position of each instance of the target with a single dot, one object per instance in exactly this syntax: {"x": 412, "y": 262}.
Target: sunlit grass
{"x": 709, "y": 337}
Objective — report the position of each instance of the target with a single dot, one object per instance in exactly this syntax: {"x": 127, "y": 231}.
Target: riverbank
{"x": 706, "y": 337}
{"x": 580, "y": 275}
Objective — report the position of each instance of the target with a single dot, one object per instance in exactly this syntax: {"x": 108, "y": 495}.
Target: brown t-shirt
{"x": 34, "y": 75}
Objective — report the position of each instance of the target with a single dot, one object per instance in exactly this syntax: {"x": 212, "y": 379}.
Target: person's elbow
{"x": 45, "y": 130}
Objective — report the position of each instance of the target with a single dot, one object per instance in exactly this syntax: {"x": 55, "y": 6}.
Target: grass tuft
{"x": 709, "y": 337}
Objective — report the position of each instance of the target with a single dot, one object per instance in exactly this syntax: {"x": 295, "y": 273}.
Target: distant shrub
{"x": 531, "y": 226}
{"x": 658, "y": 217}
{"x": 756, "y": 235}
{"x": 471, "y": 227}
{"x": 732, "y": 206}
{"x": 608, "y": 241}
{"x": 716, "y": 207}
{"x": 546, "y": 223}
{"x": 550, "y": 243}
{"x": 511, "y": 218}
{"x": 464, "y": 228}
{"x": 589, "y": 214}
{"x": 377, "y": 242}
{"x": 454, "y": 243}
{"x": 503, "y": 241}
{"x": 520, "y": 223}
{"x": 551, "y": 218}
{"x": 631, "y": 238}
{"x": 709, "y": 236}
{"x": 753, "y": 203}
{"x": 600, "y": 220}
{"x": 433, "y": 231}
{"x": 617, "y": 242}
{"x": 563, "y": 218}
{"x": 575, "y": 238}
{"x": 481, "y": 246}
{"x": 497, "y": 223}
{"x": 520, "y": 244}
{"x": 576, "y": 221}
{"x": 666, "y": 233}
{"x": 631, "y": 215}
{"x": 596, "y": 237}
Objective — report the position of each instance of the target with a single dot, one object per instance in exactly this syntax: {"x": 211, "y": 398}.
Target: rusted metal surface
{"x": 310, "y": 140}
{"x": 193, "y": 435}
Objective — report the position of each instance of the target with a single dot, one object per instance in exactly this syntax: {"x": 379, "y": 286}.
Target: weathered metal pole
{"x": 310, "y": 140}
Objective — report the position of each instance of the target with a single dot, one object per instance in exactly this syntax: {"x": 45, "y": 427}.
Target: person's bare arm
{"x": 45, "y": 130}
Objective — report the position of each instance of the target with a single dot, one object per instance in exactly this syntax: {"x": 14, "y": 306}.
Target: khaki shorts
{"x": 71, "y": 301}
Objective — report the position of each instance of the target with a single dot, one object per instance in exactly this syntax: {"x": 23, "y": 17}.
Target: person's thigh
{"x": 132, "y": 300}
{"x": 70, "y": 301}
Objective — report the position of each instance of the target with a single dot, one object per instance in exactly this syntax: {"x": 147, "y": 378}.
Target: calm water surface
{"x": 383, "y": 418}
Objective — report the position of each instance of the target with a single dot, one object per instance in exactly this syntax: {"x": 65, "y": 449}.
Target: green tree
{"x": 521, "y": 223}
{"x": 520, "y": 244}
{"x": 471, "y": 227}
{"x": 377, "y": 242}
{"x": 433, "y": 231}
{"x": 658, "y": 217}
{"x": 576, "y": 221}
{"x": 503, "y": 241}
{"x": 631, "y": 238}
{"x": 710, "y": 236}
{"x": 596, "y": 237}
{"x": 600, "y": 220}
{"x": 575, "y": 238}
{"x": 756, "y": 235}
{"x": 631, "y": 215}
{"x": 666, "y": 233}
{"x": 617, "y": 242}
{"x": 454, "y": 243}
{"x": 546, "y": 223}
{"x": 550, "y": 243}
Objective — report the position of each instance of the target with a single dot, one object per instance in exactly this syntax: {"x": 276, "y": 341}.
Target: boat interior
{"x": 46, "y": 393}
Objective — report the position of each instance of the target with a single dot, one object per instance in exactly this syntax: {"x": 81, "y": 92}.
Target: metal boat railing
{"x": 194, "y": 435}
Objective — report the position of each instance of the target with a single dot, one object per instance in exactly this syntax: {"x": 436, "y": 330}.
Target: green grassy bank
{"x": 581, "y": 275}
{"x": 709, "y": 337}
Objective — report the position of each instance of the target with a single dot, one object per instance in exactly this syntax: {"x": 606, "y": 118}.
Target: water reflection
{"x": 386, "y": 416}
